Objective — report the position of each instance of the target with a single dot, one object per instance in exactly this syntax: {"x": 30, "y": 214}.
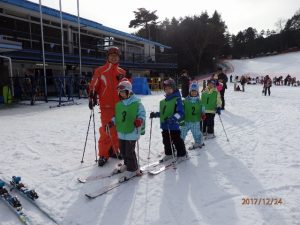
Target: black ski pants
{"x": 128, "y": 154}
{"x": 222, "y": 93}
{"x": 176, "y": 140}
{"x": 209, "y": 123}
{"x": 267, "y": 89}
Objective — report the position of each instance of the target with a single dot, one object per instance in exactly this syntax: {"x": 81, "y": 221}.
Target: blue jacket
{"x": 178, "y": 113}
{"x": 140, "y": 114}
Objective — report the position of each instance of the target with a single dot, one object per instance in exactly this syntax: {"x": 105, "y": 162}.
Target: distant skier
{"x": 193, "y": 112}
{"x": 212, "y": 103}
{"x": 223, "y": 78}
{"x": 243, "y": 82}
{"x": 267, "y": 85}
{"x": 171, "y": 112}
{"x": 129, "y": 120}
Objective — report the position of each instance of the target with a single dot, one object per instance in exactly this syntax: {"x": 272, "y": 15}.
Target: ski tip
{"x": 89, "y": 196}
{"x": 81, "y": 180}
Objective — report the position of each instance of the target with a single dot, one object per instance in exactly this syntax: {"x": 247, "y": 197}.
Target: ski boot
{"x": 102, "y": 161}
{"x": 31, "y": 194}
{"x": 165, "y": 158}
{"x": 120, "y": 169}
{"x": 181, "y": 158}
{"x": 130, "y": 174}
{"x": 195, "y": 145}
{"x": 14, "y": 202}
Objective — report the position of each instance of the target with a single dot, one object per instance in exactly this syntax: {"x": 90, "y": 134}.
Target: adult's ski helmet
{"x": 113, "y": 50}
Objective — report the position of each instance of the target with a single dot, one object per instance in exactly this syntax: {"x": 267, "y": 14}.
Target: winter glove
{"x": 203, "y": 116}
{"x": 171, "y": 120}
{"x": 92, "y": 99}
{"x": 138, "y": 122}
{"x": 120, "y": 77}
{"x": 218, "y": 110}
{"x": 154, "y": 115}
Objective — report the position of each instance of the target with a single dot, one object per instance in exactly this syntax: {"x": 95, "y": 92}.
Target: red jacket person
{"x": 104, "y": 85}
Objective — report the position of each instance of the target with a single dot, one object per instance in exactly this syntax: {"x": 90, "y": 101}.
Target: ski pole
{"x": 87, "y": 133}
{"x": 107, "y": 130}
{"x": 150, "y": 139}
{"x": 173, "y": 152}
{"x": 202, "y": 137}
{"x": 223, "y": 127}
{"x": 96, "y": 158}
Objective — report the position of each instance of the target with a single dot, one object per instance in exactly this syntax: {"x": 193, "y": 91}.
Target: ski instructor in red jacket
{"x": 104, "y": 85}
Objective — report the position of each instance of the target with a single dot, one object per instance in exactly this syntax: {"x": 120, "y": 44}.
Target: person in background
{"x": 224, "y": 79}
{"x": 267, "y": 85}
{"x": 243, "y": 82}
{"x": 185, "y": 83}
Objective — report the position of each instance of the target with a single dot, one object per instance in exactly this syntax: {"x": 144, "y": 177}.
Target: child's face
{"x": 123, "y": 94}
{"x": 194, "y": 93}
{"x": 210, "y": 85}
{"x": 168, "y": 90}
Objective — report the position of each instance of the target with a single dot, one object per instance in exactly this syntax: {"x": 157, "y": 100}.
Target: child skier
{"x": 212, "y": 102}
{"x": 170, "y": 113}
{"x": 129, "y": 120}
{"x": 194, "y": 111}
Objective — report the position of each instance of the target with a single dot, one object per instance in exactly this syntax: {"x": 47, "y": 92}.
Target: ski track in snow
{"x": 262, "y": 160}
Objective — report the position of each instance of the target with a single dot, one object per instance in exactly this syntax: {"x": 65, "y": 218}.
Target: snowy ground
{"x": 262, "y": 160}
{"x": 278, "y": 65}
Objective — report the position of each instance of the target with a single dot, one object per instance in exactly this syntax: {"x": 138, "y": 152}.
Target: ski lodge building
{"x": 21, "y": 43}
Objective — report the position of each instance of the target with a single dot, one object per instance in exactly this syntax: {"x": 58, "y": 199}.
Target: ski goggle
{"x": 121, "y": 88}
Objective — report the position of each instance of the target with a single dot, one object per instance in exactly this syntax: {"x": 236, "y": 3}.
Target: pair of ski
{"x": 111, "y": 174}
{"x": 30, "y": 195}
{"x": 152, "y": 169}
{"x": 13, "y": 203}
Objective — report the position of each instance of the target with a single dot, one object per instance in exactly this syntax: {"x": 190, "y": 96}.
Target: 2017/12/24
{"x": 262, "y": 201}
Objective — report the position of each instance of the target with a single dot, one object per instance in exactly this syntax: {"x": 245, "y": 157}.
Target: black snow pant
{"x": 209, "y": 123}
{"x": 267, "y": 89}
{"x": 176, "y": 141}
{"x": 127, "y": 151}
{"x": 222, "y": 93}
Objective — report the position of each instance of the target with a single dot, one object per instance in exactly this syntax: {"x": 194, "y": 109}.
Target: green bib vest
{"x": 166, "y": 108}
{"x": 192, "y": 111}
{"x": 7, "y": 95}
{"x": 125, "y": 116}
{"x": 210, "y": 100}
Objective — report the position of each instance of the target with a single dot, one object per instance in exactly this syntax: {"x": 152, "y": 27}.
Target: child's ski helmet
{"x": 212, "y": 81}
{"x": 170, "y": 83}
{"x": 194, "y": 86}
{"x": 124, "y": 85}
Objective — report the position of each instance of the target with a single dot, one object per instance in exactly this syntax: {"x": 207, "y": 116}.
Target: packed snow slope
{"x": 225, "y": 183}
{"x": 278, "y": 65}
{"x": 262, "y": 160}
